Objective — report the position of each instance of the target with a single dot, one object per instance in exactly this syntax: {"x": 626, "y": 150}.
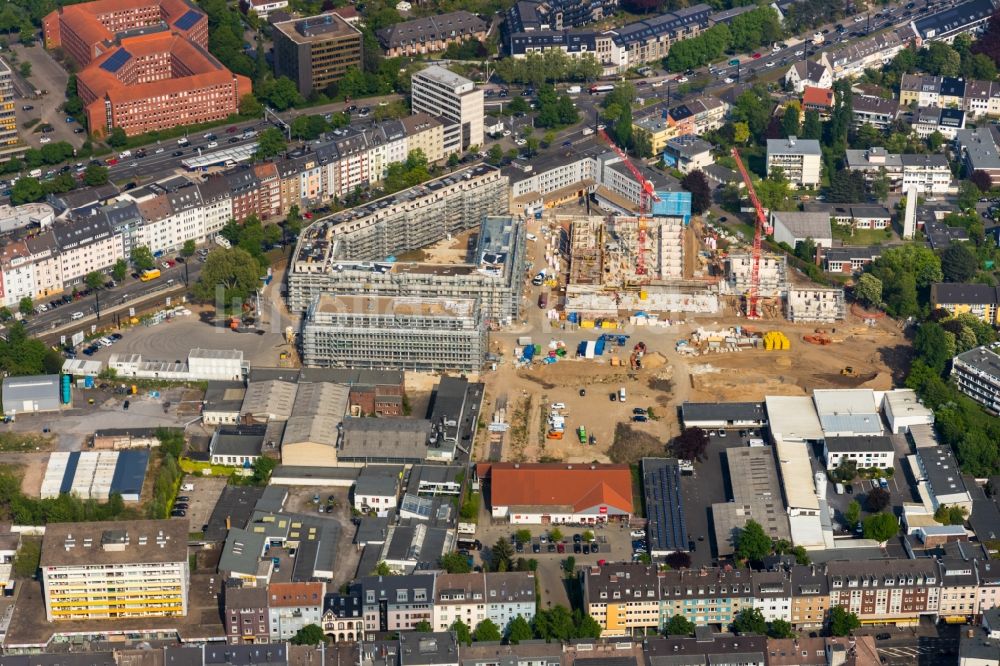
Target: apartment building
{"x": 509, "y": 595}
{"x": 459, "y": 597}
{"x": 977, "y": 374}
{"x": 431, "y": 34}
{"x": 115, "y": 570}
{"x": 292, "y": 606}
{"x": 946, "y": 122}
{"x": 396, "y": 603}
{"x": 343, "y": 618}
{"x": 535, "y": 15}
{"x": 425, "y": 133}
{"x": 852, "y": 59}
{"x": 493, "y": 276}
{"x": 692, "y": 118}
{"x": 945, "y": 25}
{"x": 886, "y": 591}
{"x": 17, "y": 274}
{"x": 979, "y": 152}
{"x": 246, "y": 614}
{"x": 807, "y": 73}
{"x": 86, "y": 30}
{"x": 980, "y": 300}
{"x": 316, "y": 51}
{"x": 11, "y": 145}
{"x": 384, "y": 332}
{"x": 810, "y": 597}
{"x": 875, "y": 111}
{"x": 453, "y": 99}
{"x": 624, "y": 598}
{"x": 84, "y": 246}
{"x": 929, "y": 174}
{"x": 772, "y": 595}
{"x": 800, "y": 160}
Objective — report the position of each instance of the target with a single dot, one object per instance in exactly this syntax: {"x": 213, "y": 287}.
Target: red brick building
{"x": 87, "y": 30}
{"x": 144, "y": 66}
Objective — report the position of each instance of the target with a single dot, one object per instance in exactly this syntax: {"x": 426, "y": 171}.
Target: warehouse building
{"x": 95, "y": 475}
{"x": 543, "y": 493}
{"x": 666, "y": 529}
{"x": 313, "y": 429}
{"x": 115, "y": 570}
{"x": 28, "y": 395}
{"x": 392, "y": 441}
{"x": 394, "y": 333}
{"x": 493, "y": 274}
{"x": 756, "y": 496}
{"x": 723, "y": 415}
{"x": 201, "y": 365}
{"x": 876, "y": 451}
{"x": 848, "y": 412}
{"x": 237, "y": 446}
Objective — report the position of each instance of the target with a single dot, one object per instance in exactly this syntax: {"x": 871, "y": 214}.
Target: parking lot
{"x": 46, "y": 74}
{"x": 300, "y": 500}
{"x": 201, "y": 500}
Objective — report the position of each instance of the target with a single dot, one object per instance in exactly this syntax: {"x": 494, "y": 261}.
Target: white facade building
{"x": 799, "y": 160}
{"x": 453, "y": 99}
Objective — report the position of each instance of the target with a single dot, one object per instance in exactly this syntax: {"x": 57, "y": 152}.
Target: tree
{"x": 462, "y": 632}
{"x": 741, "y": 133}
{"x": 982, "y": 180}
{"x": 586, "y": 626}
{"x": 117, "y": 137}
{"x": 455, "y": 563}
{"x": 228, "y": 277}
{"x": 842, "y": 621}
{"x": 752, "y": 543}
{"x": 495, "y": 154}
{"x": 690, "y": 444}
{"x": 569, "y": 565}
{"x": 26, "y": 306}
{"x": 806, "y": 250}
{"x": 382, "y": 569}
{"x": 119, "y": 270}
{"x": 934, "y": 345}
{"x": 852, "y": 513}
{"x": 423, "y": 627}
{"x": 280, "y": 93}
{"x": 26, "y": 190}
{"x": 951, "y": 515}
{"x": 249, "y": 106}
{"x": 679, "y": 625}
{"x": 95, "y": 175}
{"x": 877, "y": 500}
{"x": 311, "y": 634}
{"x": 812, "y": 128}
{"x": 750, "y": 621}
{"x": 939, "y": 59}
{"x": 869, "y": 290}
{"x": 94, "y": 280}
{"x": 188, "y": 248}
{"x": 678, "y": 560}
{"x": 696, "y": 183}
{"x": 500, "y": 555}
{"x": 790, "y": 121}
{"x": 142, "y": 258}
{"x": 486, "y": 631}
{"x": 881, "y": 527}
{"x": 968, "y": 195}
{"x": 958, "y": 263}
{"x": 523, "y": 536}
{"x": 780, "y": 629}
{"x": 518, "y": 630}
{"x": 270, "y": 142}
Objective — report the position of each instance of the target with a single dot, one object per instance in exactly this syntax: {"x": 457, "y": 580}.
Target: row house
{"x": 396, "y": 603}
{"x": 977, "y": 98}
{"x": 343, "y": 617}
{"x": 170, "y": 219}
{"x": 292, "y": 606}
{"x": 17, "y": 273}
{"x": 851, "y": 60}
{"x": 497, "y": 596}
{"x": 84, "y": 246}
{"x": 886, "y": 591}
{"x": 268, "y": 191}
{"x": 44, "y": 256}
{"x": 246, "y": 615}
{"x": 772, "y": 595}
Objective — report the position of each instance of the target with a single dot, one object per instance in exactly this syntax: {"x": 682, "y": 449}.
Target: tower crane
{"x": 646, "y": 194}
{"x": 760, "y": 228}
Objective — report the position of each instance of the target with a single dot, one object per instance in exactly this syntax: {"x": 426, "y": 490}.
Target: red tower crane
{"x": 646, "y": 194}
{"x": 760, "y": 228}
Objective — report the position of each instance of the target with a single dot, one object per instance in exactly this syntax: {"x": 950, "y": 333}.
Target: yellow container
{"x": 609, "y": 324}
{"x": 586, "y": 323}
{"x": 643, "y": 295}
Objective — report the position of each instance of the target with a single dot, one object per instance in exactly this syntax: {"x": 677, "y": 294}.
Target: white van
{"x": 76, "y": 315}
{"x": 531, "y": 237}
{"x": 125, "y": 154}
{"x": 35, "y": 173}
{"x": 621, "y": 394}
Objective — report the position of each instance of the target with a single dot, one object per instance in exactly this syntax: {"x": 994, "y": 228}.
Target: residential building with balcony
{"x": 977, "y": 374}
{"x": 799, "y": 160}
{"x": 431, "y": 34}
{"x": 396, "y": 603}
{"x": 980, "y": 300}
{"x": 895, "y": 591}
{"x": 292, "y": 606}
{"x": 453, "y": 99}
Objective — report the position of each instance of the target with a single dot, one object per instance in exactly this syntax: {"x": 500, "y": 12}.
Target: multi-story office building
{"x": 10, "y": 143}
{"x": 115, "y": 570}
{"x": 89, "y": 29}
{"x": 977, "y": 374}
{"x": 799, "y": 159}
{"x": 453, "y": 99}
{"x": 382, "y": 332}
{"x": 493, "y": 276}
{"x": 316, "y": 51}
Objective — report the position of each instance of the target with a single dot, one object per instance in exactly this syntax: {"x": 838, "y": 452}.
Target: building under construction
{"x": 494, "y": 276}
{"x": 392, "y": 333}
{"x": 619, "y": 263}
{"x": 773, "y": 275}
{"x": 408, "y": 220}
{"x": 814, "y": 304}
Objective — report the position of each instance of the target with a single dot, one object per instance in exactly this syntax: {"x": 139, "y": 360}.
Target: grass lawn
{"x": 21, "y": 442}
{"x": 861, "y": 236}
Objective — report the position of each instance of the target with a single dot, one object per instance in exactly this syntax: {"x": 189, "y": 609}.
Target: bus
{"x": 601, "y": 89}
{"x": 150, "y": 275}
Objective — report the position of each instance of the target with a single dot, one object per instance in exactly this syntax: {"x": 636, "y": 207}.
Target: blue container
{"x": 573, "y": 318}
{"x": 88, "y": 382}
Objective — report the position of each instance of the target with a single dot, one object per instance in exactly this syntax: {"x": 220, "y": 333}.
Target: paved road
{"x": 130, "y": 291}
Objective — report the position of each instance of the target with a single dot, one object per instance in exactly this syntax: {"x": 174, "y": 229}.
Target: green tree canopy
{"x": 679, "y": 625}
{"x": 270, "y": 142}
{"x": 462, "y": 632}
{"x": 958, "y": 263}
{"x": 842, "y": 621}
{"x": 311, "y": 634}
{"x": 880, "y": 527}
{"x": 486, "y": 631}
{"x": 455, "y": 563}
{"x": 752, "y": 543}
{"x": 228, "y": 277}
{"x": 142, "y": 258}
{"x": 868, "y": 290}
{"x": 750, "y": 621}
{"x": 518, "y": 630}
{"x": 94, "y": 280}
{"x": 95, "y": 175}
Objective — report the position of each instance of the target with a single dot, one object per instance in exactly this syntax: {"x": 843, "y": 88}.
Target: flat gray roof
{"x": 793, "y": 146}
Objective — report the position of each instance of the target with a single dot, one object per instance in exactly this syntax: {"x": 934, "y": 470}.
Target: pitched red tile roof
{"x": 580, "y": 486}
{"x": 817, "y": 96}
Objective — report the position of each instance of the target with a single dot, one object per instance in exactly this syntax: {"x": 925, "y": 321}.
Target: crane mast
{"x": 760, "y": 228}
{"x": 646, "y": 194}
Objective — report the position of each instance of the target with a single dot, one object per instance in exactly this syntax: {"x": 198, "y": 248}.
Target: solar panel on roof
{"x": 187, "y": 21}
{"x": 115, "y": 62}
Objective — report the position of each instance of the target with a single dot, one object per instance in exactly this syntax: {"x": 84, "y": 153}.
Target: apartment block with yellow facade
{"x": 980, "y": 300}
{"x": 623, "y": 598}
{"x": 10, "y": 143}
{"x": 810, "y": 597}
{"x": 691, "y": 118}
{"x": 115, "y": 570}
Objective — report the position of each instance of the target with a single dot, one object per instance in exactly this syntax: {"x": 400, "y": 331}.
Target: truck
{"x": 621, "y": 394}
{"x": 150, "y": 274}
{"x": 574, "y": 90}
{"x": 581, "y": 433}
{"x": 601, "y": 89}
